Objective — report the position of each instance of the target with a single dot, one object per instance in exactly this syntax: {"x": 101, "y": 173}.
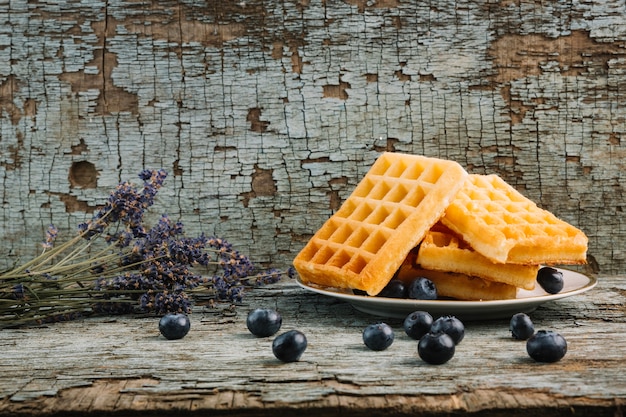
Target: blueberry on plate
{"x": 422, "y": 288}
{"x": 378, "y": 336}
{"x": 394, "y": 289}
{"x": 436, "y": 348}
{"x": 174, "y": 326}
{"x": 550, "y": 279}
{"x": 417, "y": 324}
{"x": 450, "y": 325}
{"x": 546, "y": 346}
{"x": 264, "y": 322}
{"x": 289, "y": 346}
{"x": 521, "y": 326}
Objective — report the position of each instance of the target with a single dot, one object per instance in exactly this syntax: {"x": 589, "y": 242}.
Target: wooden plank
{"x": 122, "y": 365}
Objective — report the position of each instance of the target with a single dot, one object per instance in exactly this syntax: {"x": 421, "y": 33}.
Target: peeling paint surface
{"x": 267, "y": 113}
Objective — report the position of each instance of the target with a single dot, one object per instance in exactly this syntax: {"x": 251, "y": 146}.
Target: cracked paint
{"x": 259, "y": 108}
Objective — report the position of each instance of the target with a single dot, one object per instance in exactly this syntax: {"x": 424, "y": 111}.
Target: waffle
{"x": 441, "y": 250}
{"x": 455, "y": 285}
{"x": 506, "y": 227}
{"x": 364, "y": 243}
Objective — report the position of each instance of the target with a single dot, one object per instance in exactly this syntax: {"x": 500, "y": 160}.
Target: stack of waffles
{"x": 474, "y": 236}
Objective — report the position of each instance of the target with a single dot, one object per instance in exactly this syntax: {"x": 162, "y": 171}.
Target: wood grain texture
{"x": 122, "y": 366}
{"x": 267, "y": 113}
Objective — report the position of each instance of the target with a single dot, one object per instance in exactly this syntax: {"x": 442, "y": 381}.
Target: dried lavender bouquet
{"x": 115, "y": 264}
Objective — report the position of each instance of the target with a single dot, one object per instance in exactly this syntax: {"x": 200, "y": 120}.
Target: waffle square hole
{"x": 327, "y": 230}
{"x": 322, "y": 256}
{"x": 416, "y": 195}
{"x": 357, "y": 238}
{"x": 498, "y": 195}
{"x": 514, "y": 208}
{"x": 511, "y": 219}
{"x": 381, "y": 165}
{"x": 379, "y": 191}
{"x": 431, "y": 175}
{"x": 474, "y": 206}
{"x": 551, "y": 220}
{"x": 347, "y": 208}
{"x": 413, "y": 172}
{"x": 340, "y": 259}
{"x": 364, "y": 188}
{"x": 396, "y": 218}
{"x": 531, "y": 218}
{"x": 512, "y": 232}
{"x": 397, "y": 193}
{"x": 375, "y": 242}
{"x": 396, "y": 169}
{"x": 515, "y": 196}
{"x": 361, "y": 212}
{"x": 310, "y": 251}
{"x": 342, "y": 233}
{"x": 379, "y": 215}
{"x": 357, "y": 264}
{"x": 531, "y": 230}
{"x": 477, "y": 195}
{"x": 487, "y": 182}
{"x": 491, "y": 220}
{"x": 441, "y": 240}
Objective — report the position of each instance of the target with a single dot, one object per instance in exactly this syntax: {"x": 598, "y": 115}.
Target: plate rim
{"x": 537, "y": 299}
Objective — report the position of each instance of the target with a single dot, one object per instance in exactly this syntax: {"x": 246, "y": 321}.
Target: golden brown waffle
{"x": 457, "y": 286}
{"x": 364, "y": 243}
{"x": 506, "y": 227}
{"x": 441, "y": 250}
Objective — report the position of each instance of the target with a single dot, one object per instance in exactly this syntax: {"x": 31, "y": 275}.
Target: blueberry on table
{"x": 450, "y": 325}
{"x": 436, "y": 348}
{"x": 546, "y": 346}
{"x": 422, "y": 288}
{"x": 550, "y": 279}
{"x": 289, "y": 346}
{"x": 417, "y": 324}
{"x": 174, "y": 326}
{"x": 264, "y": 322}
{"x": 378, "y": 336}
{"x": 521, "y": 326}
{"x": 394, "y": 289}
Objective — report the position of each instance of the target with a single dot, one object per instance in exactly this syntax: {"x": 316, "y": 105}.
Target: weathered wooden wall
{"x": 266, "y": 113}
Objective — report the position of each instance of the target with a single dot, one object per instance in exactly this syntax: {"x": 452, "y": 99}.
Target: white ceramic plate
{"x": 527, "y": 301}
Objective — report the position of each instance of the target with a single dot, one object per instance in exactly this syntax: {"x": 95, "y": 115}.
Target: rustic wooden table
{"x": 122, "y": 366}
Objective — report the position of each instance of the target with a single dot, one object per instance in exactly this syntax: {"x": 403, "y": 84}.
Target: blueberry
{"x": 550, "y": 279}
{"x": 289, "y": 346}
{"x": 546, "y": 346}
{"x": 436, "y": 348}
{"x": 378, "y": 336}
{"x": 450, "y": 325}
{"x": 521, "y": 326}
{"x": 174, "y": 326}
{"x": 422, "y": 289}
{"x": 417, "y": 324}
{"x": 264, "y": 322}
{"x": 394, "y": 289}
